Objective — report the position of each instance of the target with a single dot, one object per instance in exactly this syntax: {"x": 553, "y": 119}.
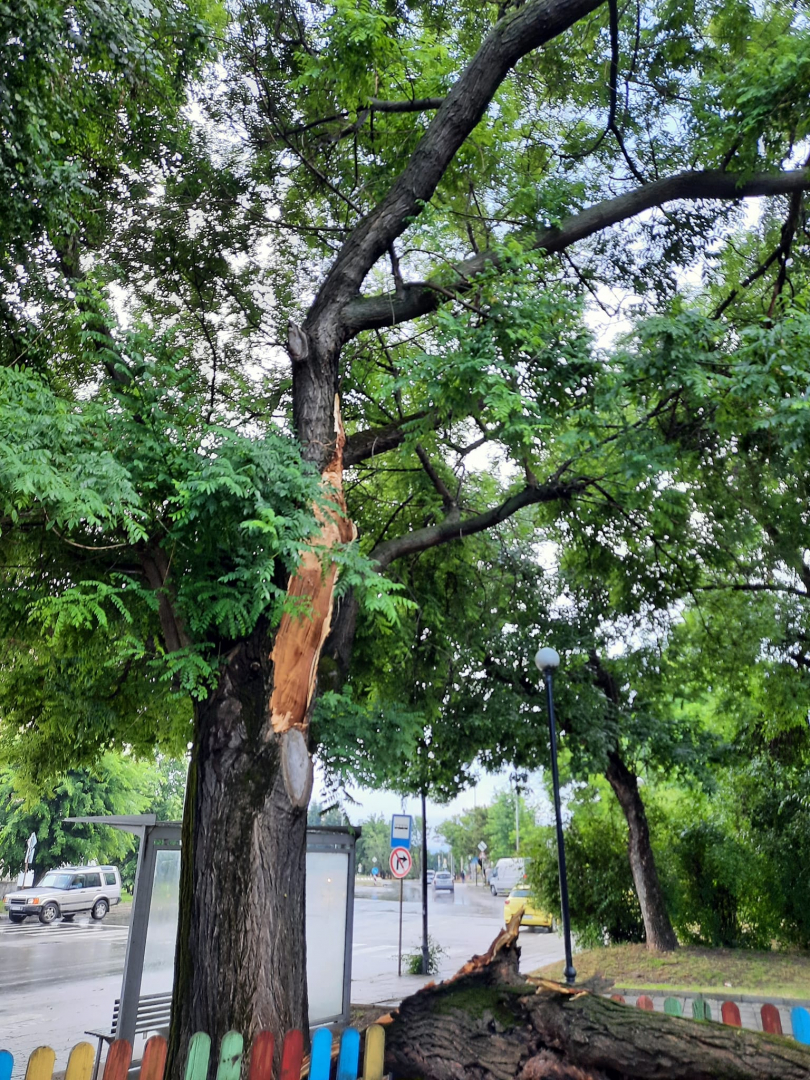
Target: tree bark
{"x": 241, "y": 947}
{"x": 657, "y": 925}
{"x": 490, "y": 1023}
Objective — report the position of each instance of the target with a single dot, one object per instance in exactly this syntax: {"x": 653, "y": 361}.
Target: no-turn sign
{"x": 400, "y": 862}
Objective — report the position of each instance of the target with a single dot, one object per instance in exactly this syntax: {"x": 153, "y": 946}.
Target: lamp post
{"x": 547, "y": 660}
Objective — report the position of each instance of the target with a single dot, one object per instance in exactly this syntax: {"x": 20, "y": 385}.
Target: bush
{"x": 602, "y": 900}
{"x": 413, "y": 959}
{"x": 714, "y": 884}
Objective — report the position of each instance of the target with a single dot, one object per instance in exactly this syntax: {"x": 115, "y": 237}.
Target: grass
{"x": 707, "y": 971}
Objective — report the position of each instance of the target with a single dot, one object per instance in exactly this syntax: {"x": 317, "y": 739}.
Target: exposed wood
{"x": 296, "y": 767}
{"x": 300, "y": 637}
{"x": 491, "y": 1023}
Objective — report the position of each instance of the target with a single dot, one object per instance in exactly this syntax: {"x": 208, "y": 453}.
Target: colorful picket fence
{"x": 230, "y": 1061}
{"x": 729, "y": 1014}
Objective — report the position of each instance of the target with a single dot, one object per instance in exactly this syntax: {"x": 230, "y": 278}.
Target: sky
{"x": 369, "y": 802}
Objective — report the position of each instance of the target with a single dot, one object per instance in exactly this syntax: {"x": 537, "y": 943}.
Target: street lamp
{"x": 547, "y": 660}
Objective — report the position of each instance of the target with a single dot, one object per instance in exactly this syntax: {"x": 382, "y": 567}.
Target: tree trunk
{"x": 489, "y": 1023}
{"x": 241, "y": 946}
{"x": 241, "y": 949}
{"x": 657, "y": 926}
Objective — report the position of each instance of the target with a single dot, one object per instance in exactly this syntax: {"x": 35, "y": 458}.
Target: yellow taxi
{"x": 520, "y": 899}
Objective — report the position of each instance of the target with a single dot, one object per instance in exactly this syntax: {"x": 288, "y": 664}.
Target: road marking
{"x": 20, "y": 935}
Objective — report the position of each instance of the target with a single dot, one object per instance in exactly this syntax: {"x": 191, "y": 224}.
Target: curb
{"x": 751, "y": 999}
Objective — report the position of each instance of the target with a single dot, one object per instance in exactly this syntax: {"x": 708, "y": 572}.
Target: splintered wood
{"x": 310, "y": 594}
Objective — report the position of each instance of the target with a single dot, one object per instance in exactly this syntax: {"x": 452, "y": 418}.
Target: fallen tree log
{"x": 490, "y": 1023}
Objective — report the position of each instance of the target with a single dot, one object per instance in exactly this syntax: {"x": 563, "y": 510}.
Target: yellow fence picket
{"x": 374, "y": 1053}
{"x": 80, "y": 1062}
{"x": 40, "y": 1064}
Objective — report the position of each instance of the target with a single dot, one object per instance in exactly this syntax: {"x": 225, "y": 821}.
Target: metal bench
{"x": 154, "y": 1014}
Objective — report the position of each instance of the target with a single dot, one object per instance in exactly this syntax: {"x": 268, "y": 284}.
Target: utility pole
{"x": 425, "y": 953}
{"x": 519, "y": 778}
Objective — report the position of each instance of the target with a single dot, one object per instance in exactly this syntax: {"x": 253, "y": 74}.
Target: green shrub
{"x": 602, "y": 900}
{"x": 413, "y": 959}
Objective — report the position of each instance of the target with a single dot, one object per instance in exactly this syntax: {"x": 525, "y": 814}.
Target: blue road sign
{"x": 401, "y": 828}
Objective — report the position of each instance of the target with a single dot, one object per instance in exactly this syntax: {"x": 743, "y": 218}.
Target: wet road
{"x": 463, "y": 923}
{"x": 55, "y": 982}
{"x": 58, "y": 981}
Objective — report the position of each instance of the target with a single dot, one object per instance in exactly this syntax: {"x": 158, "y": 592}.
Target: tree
{"x": 374, "y": 845}
{"x": 405, "y": 186}
{"x": 116, "y": 786}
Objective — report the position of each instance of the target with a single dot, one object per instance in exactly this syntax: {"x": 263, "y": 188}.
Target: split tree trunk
{"x": 241, "y": 947}
{"x": 658, "y": 928}
{"x": 490, "y": 1023}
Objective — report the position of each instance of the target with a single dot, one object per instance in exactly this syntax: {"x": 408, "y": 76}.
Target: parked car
{"x": 430, "y": 875}
{"x": 67, "y": 892}
{"x": 520, "y": 900}
{"x": 443, "y": 880}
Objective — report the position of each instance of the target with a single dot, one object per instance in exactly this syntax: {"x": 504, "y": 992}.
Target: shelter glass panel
{"x": 327, "y": 903}
{"x": 161, "y": 935}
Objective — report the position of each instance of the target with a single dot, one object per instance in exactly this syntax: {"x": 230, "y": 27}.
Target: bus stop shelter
{"x": 151, "y": 942}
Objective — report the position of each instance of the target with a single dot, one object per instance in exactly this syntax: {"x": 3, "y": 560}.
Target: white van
{"x": 506, "y": 874}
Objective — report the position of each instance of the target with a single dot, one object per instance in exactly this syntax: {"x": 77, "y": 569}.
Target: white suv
{"x": 67, "y": 892}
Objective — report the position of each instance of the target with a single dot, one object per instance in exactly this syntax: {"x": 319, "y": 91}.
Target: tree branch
{"x": 446, "y": 495}
{"x": 453, "y": 528}
{"x": 745, "y": 586}
{"x": 415, "y": 299}
{"x": 525, "y": 29}
{"x": 367, "y": 444}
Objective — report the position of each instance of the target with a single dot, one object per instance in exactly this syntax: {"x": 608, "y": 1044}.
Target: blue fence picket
{"x": 800, "y": 1019}
{"x": 6, "y": 1065}
{"x": 321, "y": 1056}
{"x": 349, "y": 1057}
